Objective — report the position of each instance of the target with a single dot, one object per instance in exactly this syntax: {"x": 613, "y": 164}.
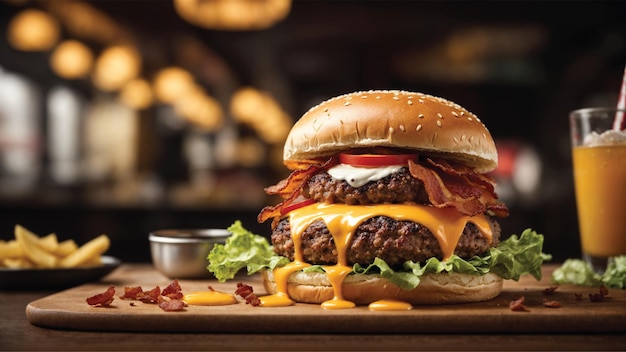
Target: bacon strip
{"x": 447, "y": 185}
{"x": 289, "y": 189}
{"x": 457, "y": 186}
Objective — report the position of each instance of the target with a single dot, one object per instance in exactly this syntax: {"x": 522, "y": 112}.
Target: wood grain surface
{"x": 68, "y": 310}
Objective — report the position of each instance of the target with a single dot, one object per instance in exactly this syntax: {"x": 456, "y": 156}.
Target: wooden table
{"x": 17, "y": 333}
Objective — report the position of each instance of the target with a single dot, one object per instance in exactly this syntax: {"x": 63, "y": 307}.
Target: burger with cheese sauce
{"x": 388, "y": 199}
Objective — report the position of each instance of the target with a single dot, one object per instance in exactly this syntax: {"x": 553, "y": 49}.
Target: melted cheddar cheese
{"x": 446, "y": 224}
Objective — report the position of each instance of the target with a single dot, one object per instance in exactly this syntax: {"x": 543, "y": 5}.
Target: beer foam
{"x": 611, "y": 137}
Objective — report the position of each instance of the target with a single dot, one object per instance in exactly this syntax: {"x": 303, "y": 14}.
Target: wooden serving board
{"x": 68, "y": 310}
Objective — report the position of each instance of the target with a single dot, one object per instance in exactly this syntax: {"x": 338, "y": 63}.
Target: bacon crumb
{"x": 551, "y": 304}
{"x": 173, "y": 291}
{"x": 578, "y": 296}
{"x": 599, "y": 297}
{"x": 550, "y": 290}
{"x": 518, "y": 305}
{"x": 103, "y": 299}
{"x": 152, "y": 296}
{"x": 247, "y": 293}
{"x": 131, "y": 292}
{"x": 172, "y": 305}
{"x": 596, "y": 297}
{"x": 604, "y": 291}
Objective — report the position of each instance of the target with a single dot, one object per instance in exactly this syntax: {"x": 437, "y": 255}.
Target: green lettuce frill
{"x": 513, "y": 257}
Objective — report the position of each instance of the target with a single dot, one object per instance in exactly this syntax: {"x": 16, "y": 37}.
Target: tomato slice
{"x": 376, "y": 160}
{"x": 293, "y": 206}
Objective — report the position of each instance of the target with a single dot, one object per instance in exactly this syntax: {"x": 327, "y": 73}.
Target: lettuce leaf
{"x": 512, "y": 258}
{"x": 242, "y": 249}
{"x": 579, "y": 272}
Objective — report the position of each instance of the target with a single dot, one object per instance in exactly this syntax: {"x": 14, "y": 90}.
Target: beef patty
{"x": 391, "y": 240}
{"x": 398, "y": 187}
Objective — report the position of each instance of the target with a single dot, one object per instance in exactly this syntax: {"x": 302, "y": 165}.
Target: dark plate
{"x": 53, "y": 279}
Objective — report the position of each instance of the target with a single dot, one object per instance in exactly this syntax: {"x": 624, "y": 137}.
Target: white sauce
{"x": 358, "y": 176}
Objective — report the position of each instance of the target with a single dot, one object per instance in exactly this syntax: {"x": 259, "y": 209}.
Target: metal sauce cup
{"x": 182, "y": 253}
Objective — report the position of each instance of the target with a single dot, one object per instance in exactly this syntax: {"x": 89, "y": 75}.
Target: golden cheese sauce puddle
{"x": 446, "y": 224}
{"x": 389, "y": 304}
{"x": 209, "y": 298}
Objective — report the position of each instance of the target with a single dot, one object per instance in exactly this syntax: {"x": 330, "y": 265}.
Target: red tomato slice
{"x": 293, "y": 206}
{"x": 375, "y": 160}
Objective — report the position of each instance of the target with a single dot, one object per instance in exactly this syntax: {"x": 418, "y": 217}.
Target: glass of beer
{"x": 599, "y": 164}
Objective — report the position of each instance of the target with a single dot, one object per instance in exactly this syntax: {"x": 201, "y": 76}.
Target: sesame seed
{"x": 456, "y": 140}
{"x": 440, "y": 116}
{"x": 421, "y": 101}
{"x": 419, "y": 127}
{"x": 438, "y": 123}
{"x": 391, "y": 130}
{"x": 401, "y": 128}
{"x": 469, "y": 119}
{"x": 363, "y": 96}
{"x": 462, "y": 113}
{"x": 454, "y": 113}
{"x": 396, "y": 98}
{"x": 325, "y": 109}
{"x": 346, "y": 103}
{"x": 378, "y": 97}
{"x": 341, "y": 122}
{"x": 463, "y": 137}
{"x": 410, "y": 102}
{"x": 421, "y": 116}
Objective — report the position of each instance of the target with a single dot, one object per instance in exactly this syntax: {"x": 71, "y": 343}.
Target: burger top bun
{"x": 431, "y": 125}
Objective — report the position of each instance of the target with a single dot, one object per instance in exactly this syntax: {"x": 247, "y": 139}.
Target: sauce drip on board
{"x": 209, "y": 298}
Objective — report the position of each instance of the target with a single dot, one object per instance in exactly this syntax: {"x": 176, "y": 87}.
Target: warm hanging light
{"x": 116, "y": 66}
{"x": 33, "y": 30}
{"x": 261, "y": 111}
{"x": 71, "y": 59}
{"x": 233, "y": 14}
{"x": 202, "y": 110}
{"x": 137, "y": 94}
{"x": 171, "y": 83}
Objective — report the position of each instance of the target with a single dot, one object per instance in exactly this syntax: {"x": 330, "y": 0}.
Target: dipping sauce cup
{"x": 182, "y": 253}
{"x": 599, "y": 165}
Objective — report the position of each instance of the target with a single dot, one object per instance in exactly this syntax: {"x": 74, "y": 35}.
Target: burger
{"x": 389, "y": 198}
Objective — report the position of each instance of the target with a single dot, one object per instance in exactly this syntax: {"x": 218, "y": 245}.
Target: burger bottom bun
{"x": 363, "y": 289}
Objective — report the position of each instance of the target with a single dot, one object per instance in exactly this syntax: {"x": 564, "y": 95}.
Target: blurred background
{"x": 124, "y": 117}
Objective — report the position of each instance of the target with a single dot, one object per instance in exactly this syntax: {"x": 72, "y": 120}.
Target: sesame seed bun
{"x": 428, "y": 124}
{"x": 444, "y": 288}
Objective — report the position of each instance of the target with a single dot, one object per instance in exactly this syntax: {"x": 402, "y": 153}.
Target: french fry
{"x": 91, "y": 249}
{"x": 66, "y": 248}
{"x": 29, "y": 243}
{"x": 48, "y": 243}
{"x": 18, "y": 263}
{"x": 10, "y": 249}
{"x": 93, "y": 261}
{"x": 31, "y": 251}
